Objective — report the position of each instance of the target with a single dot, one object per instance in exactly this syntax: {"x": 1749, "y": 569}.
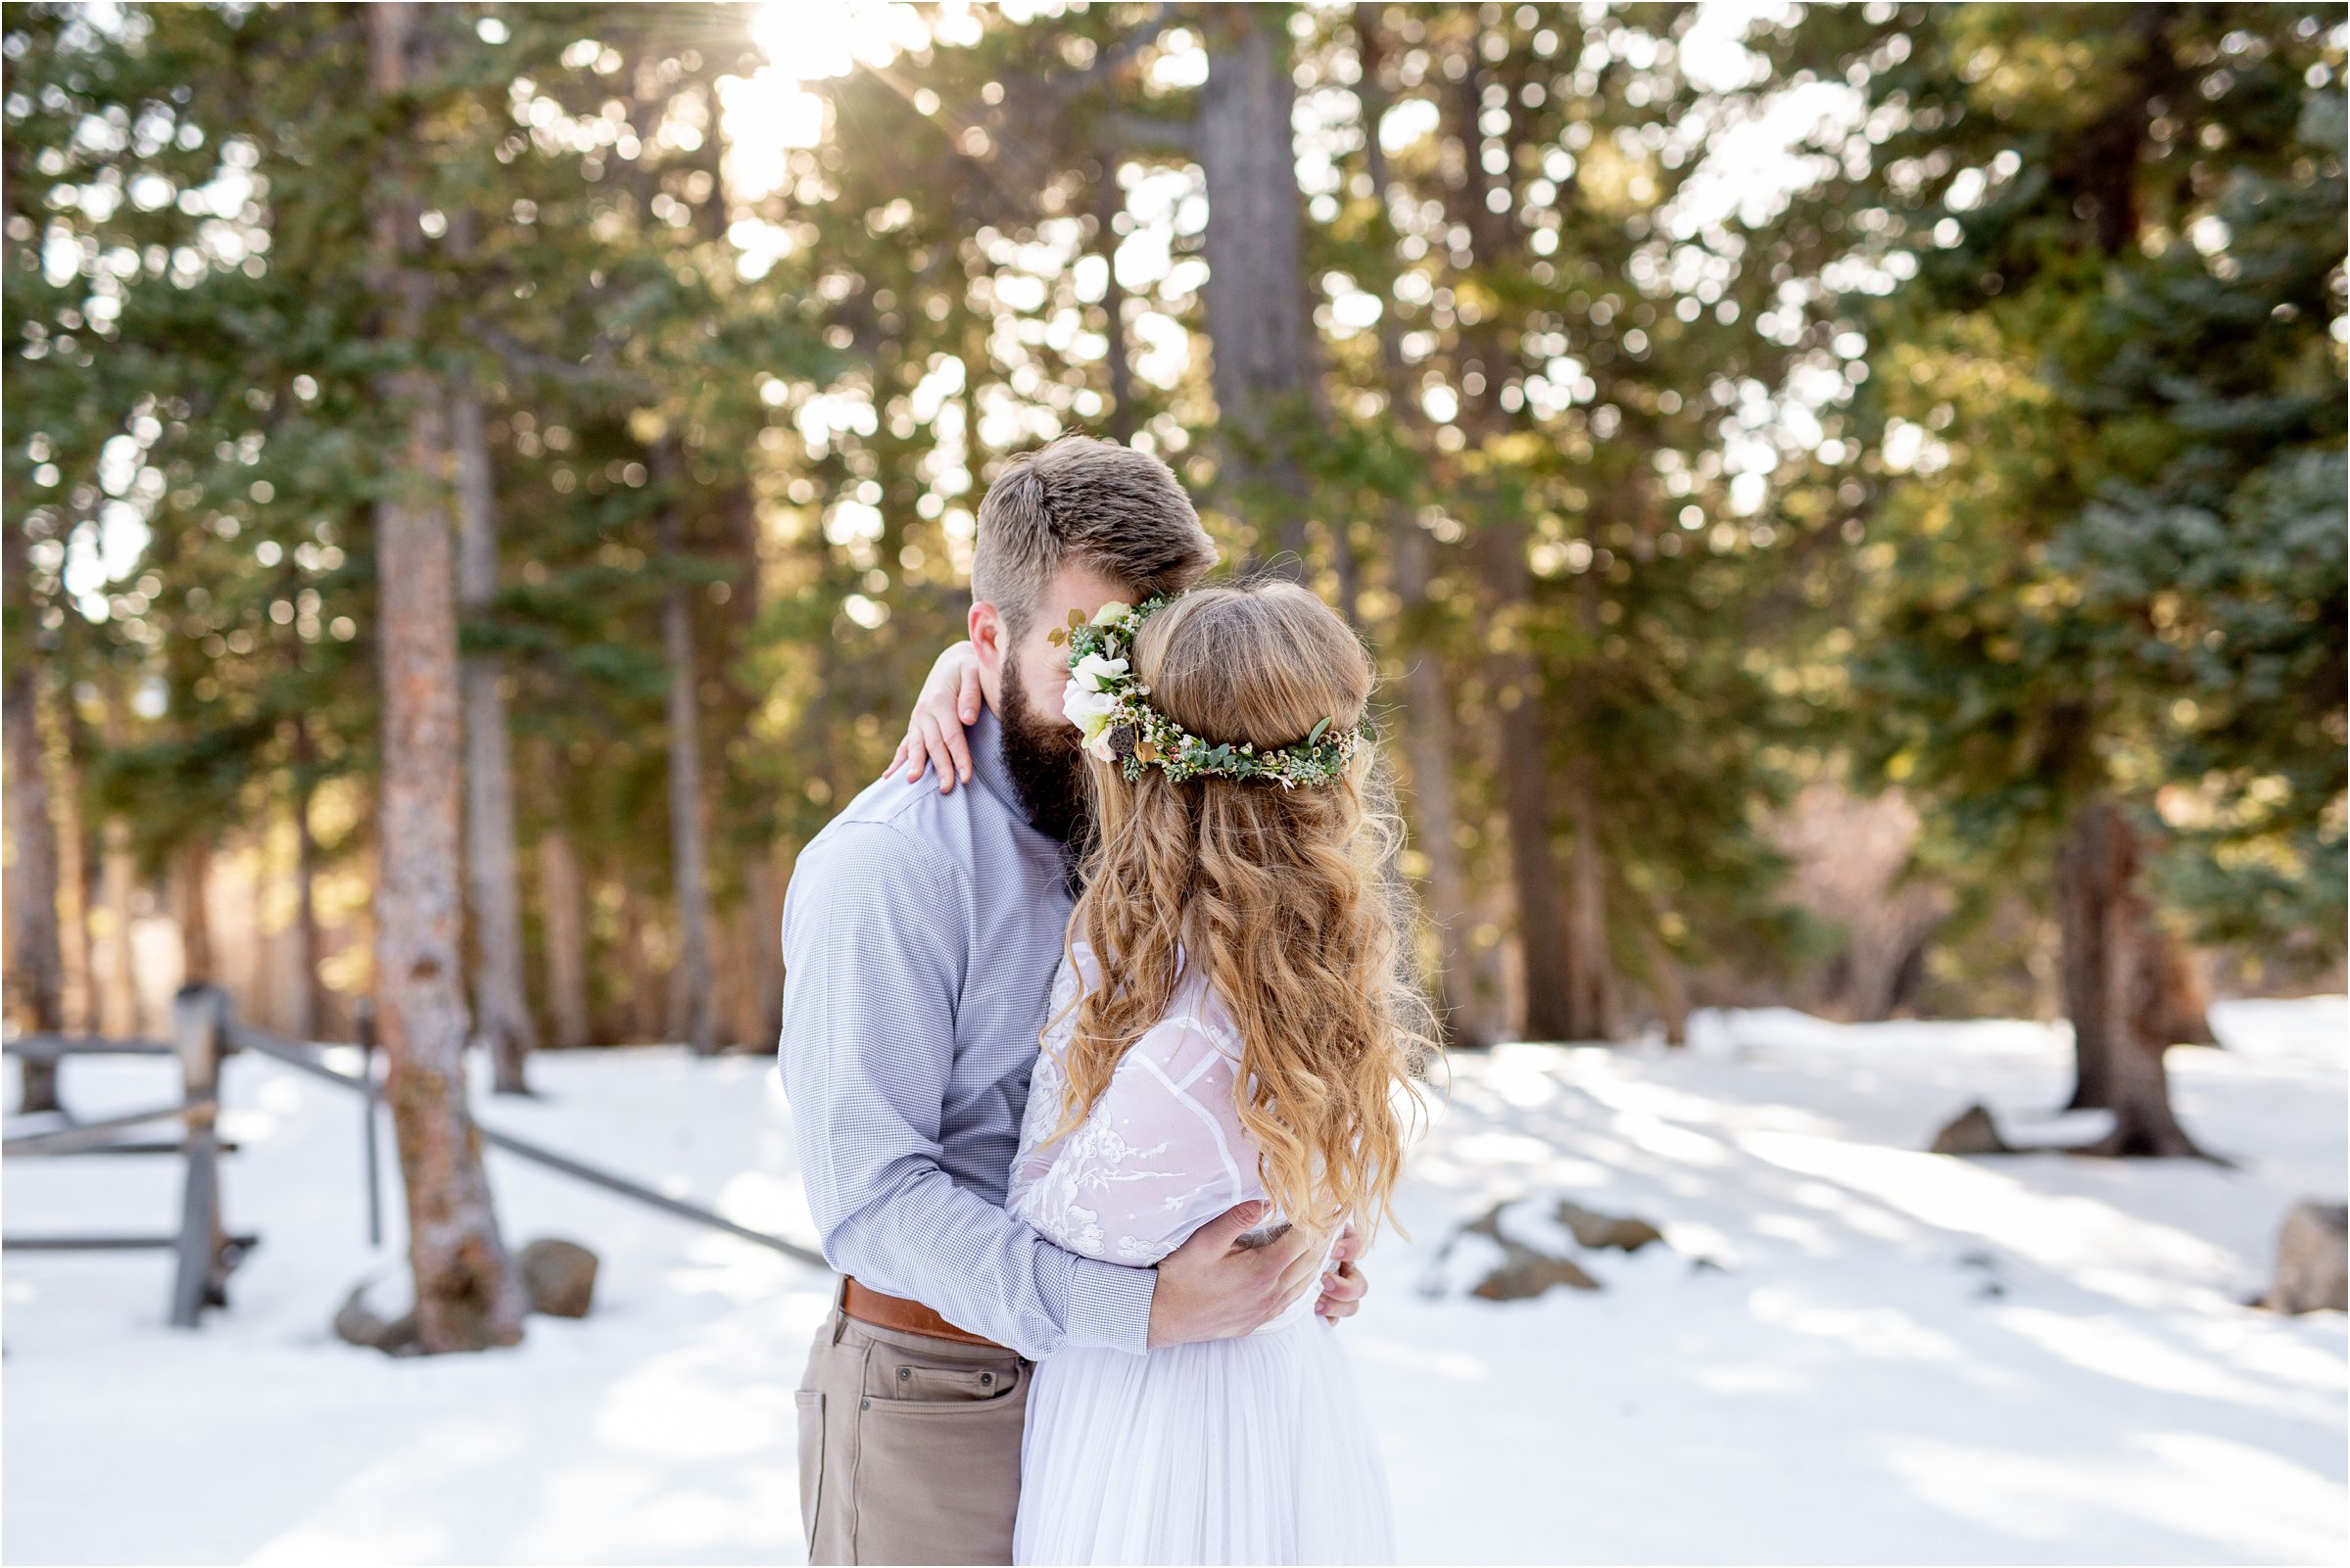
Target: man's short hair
{"x": 1107, "y": 508}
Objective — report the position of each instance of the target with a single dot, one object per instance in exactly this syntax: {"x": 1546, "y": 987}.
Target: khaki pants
{"x": 909, "y": 1446}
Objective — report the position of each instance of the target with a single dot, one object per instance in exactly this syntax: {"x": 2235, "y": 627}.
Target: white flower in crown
{"x": 1096, "y": 674}
{"x": 1098, "y": 743}
{"x": 1087, "y": 707}
{"x": 1113, "y": 613}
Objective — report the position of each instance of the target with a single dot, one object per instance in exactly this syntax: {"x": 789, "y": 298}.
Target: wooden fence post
{"x": 199, "y": 1014}
{"x": 368, "y": 1097}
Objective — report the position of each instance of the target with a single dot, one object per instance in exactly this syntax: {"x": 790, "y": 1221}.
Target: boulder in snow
{"x": 559, "y": 1276}
{"x": 2313, "y": 1260}
{"x": 1973, "y": 1133}
{"x": 1527, "y": 1274}
{"x": 1596, "y": 1232}
{"x": 1523, "y": 1271}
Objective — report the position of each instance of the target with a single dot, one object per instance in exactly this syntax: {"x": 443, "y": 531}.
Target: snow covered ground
{"x": 1893, "y": 1358}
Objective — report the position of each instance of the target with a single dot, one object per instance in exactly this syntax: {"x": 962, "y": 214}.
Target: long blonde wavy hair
{"x": 1284, "y": 900}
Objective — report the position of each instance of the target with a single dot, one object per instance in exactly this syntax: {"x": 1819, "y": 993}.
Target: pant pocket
{"x": 939, "y": 1479}
{"x": 811, "y": 1461}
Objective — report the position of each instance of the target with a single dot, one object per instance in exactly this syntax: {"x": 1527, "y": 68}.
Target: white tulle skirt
{"x": 1241, "y": 1451}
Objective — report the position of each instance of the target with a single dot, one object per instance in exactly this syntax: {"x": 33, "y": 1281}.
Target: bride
{"x": 1231, "y": 1022}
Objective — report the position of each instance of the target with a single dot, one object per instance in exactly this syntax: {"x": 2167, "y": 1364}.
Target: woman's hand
{"x": 1343, "y": 1286}
{"x": 949, "y": 700}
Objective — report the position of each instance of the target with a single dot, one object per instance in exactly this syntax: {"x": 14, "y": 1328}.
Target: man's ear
{"x": 990, "y": 639}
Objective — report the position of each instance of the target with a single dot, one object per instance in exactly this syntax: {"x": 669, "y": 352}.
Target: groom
{"x": 921, "y": 932}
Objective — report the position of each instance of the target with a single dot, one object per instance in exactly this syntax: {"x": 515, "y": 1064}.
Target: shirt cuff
{"x": 1110, "y": 1307}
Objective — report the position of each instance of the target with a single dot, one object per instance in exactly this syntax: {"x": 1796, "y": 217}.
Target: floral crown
{"x": 1112, "y": 708}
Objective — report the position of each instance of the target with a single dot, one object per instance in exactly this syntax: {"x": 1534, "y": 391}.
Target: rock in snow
{"x": 1974, "y": 1132}
{"x": 1525, "y": 1270}
{"x": 559, "y": 1275}
{"x": 1597, "y": 1231}
{"x": 2313, "y": 1260}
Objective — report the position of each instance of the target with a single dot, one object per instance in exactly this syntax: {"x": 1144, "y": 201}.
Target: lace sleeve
{"x": 1161, "y": 1155}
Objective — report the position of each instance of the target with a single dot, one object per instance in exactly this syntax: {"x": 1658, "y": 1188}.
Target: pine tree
{"x": 2109, "y": 417}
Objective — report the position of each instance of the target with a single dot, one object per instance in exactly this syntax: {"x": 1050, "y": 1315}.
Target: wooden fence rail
{"x": 203, "y": 1252}
{"x": 296, "y": 1055}
{"x": 204, "y": 1034}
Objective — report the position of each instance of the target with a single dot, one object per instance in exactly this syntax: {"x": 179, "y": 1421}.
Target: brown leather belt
{"x": 906, "y": 1317}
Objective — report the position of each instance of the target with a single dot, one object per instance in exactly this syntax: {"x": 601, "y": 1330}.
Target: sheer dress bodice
{"x": 1162, "y": 1153}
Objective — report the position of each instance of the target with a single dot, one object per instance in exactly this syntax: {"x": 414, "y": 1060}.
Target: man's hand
{"x": 949, "y": 700}
{"x": 1210, "y": 1289}
{"x": 1343, "y": 1286}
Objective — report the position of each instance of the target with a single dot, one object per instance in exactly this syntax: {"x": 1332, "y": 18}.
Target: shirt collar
{"x": 986, "y": 737}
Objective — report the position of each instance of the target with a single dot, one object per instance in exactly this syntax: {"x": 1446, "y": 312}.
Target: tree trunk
{"x": 1466, "y": 986}
{"x": 2107, "y": 928}
{"x": 691, "y": 1015}
{"x": 469, "y": 1294}
{"x": 1591, "y": 965}
{"x": 192, "y": 900}
{"x": 2175, "y": 999}
{"x": 310, "y": 1004}
{"x": 35, "y": 967}
{"x": 766, "y": 895}
{"x": 2085, "y": 894}
{"x": 119, "y": 985}
{"x": 640, "y": 1008}
{"x": 75, "y": 954}
{"x": 1542, "y": 928}
{"x": 1264, "y": 351}
{"x": 36, "y": 977}
{"x": 1596, "y": 1011}
{"x": 1108, "y": 202}
{"x": 1665, "y": 985}
{"x": 118, "y": 988}
{"x": 564, "y": 917}
{"x": 501, "y": 1019}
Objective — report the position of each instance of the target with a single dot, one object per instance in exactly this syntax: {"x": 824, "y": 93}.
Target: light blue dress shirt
{"x": 921, "y": 932}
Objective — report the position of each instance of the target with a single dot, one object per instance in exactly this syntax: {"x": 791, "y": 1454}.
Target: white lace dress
{"x": 1242, "y": 1451}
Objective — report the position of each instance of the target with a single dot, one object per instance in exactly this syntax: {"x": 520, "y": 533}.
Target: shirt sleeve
{"x": 874, "y": 960}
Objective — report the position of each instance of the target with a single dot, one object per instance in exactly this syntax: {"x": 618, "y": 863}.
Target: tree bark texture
{"x": 1465, "y": 987}
{"x": 117, "y": 989}
{"x": 469, "y": 1294}
{"x": 1108, "y": 202}
{"x": 502, "y": 1019}
{"x": 37, "y": 970}
{"x": 193, "y": 909}
{"x": 564, "y": 917}
{"x": 1535, "y": 881}
{"x": 1596, "y": 1011}
{"x": 311, "y": 1013}
{"x": 691, "y": 1015}
{"x": 765, "y": 889}
{"x": 2107, "y": 933}
{"x": 640, "y": 1008}
{"x": 1264, "y": 350}
{"x": 75, "y": 953}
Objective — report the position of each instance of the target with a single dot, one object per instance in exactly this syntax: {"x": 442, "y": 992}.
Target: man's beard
{"x": 1046, "y": 766}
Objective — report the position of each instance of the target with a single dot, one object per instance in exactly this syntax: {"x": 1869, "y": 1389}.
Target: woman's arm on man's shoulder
{"x": 949, "y": 699}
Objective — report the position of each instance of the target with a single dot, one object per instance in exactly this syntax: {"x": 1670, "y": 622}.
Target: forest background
{"x": 1848, "y": 500}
